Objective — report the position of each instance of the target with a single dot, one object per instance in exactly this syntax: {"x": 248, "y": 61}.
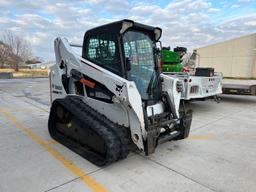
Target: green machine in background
{"x": 171, "y": 60}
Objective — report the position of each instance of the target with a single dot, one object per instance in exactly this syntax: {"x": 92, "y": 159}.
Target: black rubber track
{"x": 115, "y": 137}
{"x": 120, "y": 131}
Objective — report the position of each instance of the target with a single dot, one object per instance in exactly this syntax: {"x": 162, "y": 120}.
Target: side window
{"x": 102, "y": 49}
{"x": 93, "y": 45}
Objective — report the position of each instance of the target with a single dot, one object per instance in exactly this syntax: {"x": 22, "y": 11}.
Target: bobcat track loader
{"x": 113, "y": 98}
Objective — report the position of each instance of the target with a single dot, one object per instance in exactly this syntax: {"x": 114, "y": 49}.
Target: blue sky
{"x": 189, "y": 23}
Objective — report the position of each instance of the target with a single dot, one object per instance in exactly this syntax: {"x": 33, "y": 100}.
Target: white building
{"x": 234, "y": 58}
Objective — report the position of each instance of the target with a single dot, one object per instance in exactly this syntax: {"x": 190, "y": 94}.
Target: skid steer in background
{"x": 114, "y": 98}
{"x": 199, "y": 83}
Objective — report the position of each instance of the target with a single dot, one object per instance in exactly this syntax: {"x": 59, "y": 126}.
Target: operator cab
{"x": 127, "y": 49}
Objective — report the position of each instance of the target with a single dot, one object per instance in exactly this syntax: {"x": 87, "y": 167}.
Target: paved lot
{"x": 218, "y": 156}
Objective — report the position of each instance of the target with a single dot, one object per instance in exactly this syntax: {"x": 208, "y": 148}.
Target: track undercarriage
{"x": 88, "y": 133}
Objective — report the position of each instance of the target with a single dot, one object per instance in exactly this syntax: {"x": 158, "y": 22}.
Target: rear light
{"x": 186, "y": 80}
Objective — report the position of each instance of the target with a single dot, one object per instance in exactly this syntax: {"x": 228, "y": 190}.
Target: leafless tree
{"x": 20, "y": 49}
{"x": 4, "y": 54}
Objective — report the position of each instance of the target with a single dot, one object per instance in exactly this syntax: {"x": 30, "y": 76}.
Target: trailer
{"x": 199, "y": 83}
{"x": 239, "y": 87}
{"x": 199, "y": 87}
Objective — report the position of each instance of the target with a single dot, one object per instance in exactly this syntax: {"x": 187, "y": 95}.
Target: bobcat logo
{"x": 119, "y": 88}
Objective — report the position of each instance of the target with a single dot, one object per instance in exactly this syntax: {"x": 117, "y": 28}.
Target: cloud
{"x": 251, "y": 23}
{"x": 213, "y": 10}
{"x": 37, "y": 39}
{"x": 239, "y": 25}
{"x": 235, "y": 6}
{"x": 244, "y": 1}
{"x": 189, "y": 23}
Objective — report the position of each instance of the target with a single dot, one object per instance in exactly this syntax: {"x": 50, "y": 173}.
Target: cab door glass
{"x": 138, "y": 47}
{"x": 102, "y": 49}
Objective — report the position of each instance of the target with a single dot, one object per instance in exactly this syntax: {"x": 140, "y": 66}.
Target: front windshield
{"x": 138, "y": 48}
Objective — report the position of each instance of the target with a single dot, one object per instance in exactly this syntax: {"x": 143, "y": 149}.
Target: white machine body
{"x": 126, "y": 107}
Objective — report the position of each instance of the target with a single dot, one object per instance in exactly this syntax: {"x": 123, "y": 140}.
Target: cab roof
{"x": 119, "y": 27}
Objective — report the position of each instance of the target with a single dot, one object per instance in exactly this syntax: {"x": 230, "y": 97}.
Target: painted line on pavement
{"x": 200, "y": 137}
{"x": 51, "y": 142}
{"x": 89, "y": 181}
